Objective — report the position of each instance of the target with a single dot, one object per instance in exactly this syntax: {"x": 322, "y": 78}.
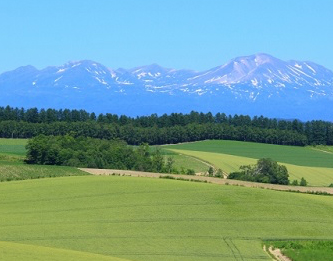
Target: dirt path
{"x": 210, "y": 180}
{"x": 278, "y": 255}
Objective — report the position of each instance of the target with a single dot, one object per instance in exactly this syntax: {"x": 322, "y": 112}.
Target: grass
{"x": 185, "y": 161}
{"x": 305, "y": 249}
{"x": 12, "y": 167}
{"x": 13, "y": 146}
{"x": 13, "y": 251}
{"x": 229, "y": 163}
{"x": 323, "y": 148}
{"x": 314, "y": 165}
{"x": 153, "y": 219}
{"x": 301, "y": 156}
{"x": 18, "y": 171}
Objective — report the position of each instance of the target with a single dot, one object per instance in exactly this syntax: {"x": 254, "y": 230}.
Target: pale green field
{"x": 315, "y": 176}
{"x": 145, "y": 219}
{"x": 10, "y": 251}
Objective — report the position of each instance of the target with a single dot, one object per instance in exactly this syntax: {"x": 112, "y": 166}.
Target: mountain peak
{"x": 259, "y": 78}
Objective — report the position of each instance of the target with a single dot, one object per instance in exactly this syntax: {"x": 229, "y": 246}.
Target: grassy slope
{"x": 13, "y": 251}
{"x": 323, "y": 148}
{"x": 185, "y": 161}
{"x": 229, "y": 163}
{"x": 12, "y": 153}
{"x": 148, "y": 219}
{"x": 230, "y": 155}
{"x": 13, "y": 146}
{"x": 302, "y": 156}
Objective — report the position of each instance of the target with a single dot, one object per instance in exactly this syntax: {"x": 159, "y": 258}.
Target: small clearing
{"x": 278, "y": 255}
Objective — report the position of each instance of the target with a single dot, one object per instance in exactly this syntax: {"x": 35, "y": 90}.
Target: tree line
{"x": 95, "y": 153}
{"x": 154, "y": 129}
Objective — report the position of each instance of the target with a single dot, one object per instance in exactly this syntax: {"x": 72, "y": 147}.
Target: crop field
{"x": 109, "y": 217}
{"x": 301, "y": 156}
{"x": 13, "y": 146}
{"x": 317, "y": 166}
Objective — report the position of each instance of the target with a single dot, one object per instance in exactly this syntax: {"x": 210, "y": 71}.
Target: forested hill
{"x": 154, "y": 129}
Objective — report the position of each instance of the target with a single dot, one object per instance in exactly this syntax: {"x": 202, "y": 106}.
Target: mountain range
{"x": 258, "y": 84}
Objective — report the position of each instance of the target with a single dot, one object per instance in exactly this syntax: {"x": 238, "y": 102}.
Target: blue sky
{"x": 191, "y": 34}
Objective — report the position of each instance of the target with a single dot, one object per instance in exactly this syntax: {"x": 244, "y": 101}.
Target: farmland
{"x": 314, "y": 165}
{"x": 119, "y": 218}
{"x": 149, "y": 219}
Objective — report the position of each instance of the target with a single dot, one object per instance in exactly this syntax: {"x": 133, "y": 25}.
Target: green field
{"x": 13, "y": 146}
{"x": 317, "y": 166}
{"x": 152, "y": 219}
{"x": 12, "y": 167}
{"x": 301, "y": 156}
{"x": 183, "y": 161}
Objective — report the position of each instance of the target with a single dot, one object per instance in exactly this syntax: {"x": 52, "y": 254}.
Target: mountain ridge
{"x": 243, "y": 84}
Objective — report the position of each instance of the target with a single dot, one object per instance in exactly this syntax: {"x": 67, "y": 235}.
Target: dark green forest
{"x": 164, "y": 129}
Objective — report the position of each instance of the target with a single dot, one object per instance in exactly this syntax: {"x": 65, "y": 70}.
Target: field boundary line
{"x": 132, "y": 173}
{"x": 231, "y": 248}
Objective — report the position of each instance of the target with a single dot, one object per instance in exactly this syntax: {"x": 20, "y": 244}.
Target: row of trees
{"x": 94, "y": 153}
{"x": 316, "y": 132}
{"x": 152, "y": 135}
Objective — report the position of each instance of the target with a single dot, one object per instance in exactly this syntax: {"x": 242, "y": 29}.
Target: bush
{"x": 190, "y": 172}
{"x": 219, "y": 173}
{"x": 331, "y": 185}
{"x": 210, "y": 172}
{"x": 294, "y": 182}
{"x": 303, "y": 182}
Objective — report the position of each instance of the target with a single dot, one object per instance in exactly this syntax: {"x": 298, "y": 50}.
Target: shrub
{"x": 294, "y": 182}
{"x": 190, "y": 172}
{"x": 303, "y": 182}
{"x": 210, "y": 172}
{"x": 219, "y": 173}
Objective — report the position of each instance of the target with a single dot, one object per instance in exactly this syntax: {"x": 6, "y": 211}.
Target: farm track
{"x": 213, "y": 180}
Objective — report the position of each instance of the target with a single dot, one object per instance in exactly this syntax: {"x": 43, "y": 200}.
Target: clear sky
{"x": 191, "y": 34}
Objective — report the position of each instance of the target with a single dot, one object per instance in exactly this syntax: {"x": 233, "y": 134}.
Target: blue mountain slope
{"x": 256, "y": 84}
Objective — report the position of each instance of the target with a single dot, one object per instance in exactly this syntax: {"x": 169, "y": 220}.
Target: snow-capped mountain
{"x": 243, "y": 85}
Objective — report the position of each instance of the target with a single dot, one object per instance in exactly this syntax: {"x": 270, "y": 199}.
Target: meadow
{"x": 316, "y": 166}
{"x": 112, "y": 218}
{"x": 106, "y": 217}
